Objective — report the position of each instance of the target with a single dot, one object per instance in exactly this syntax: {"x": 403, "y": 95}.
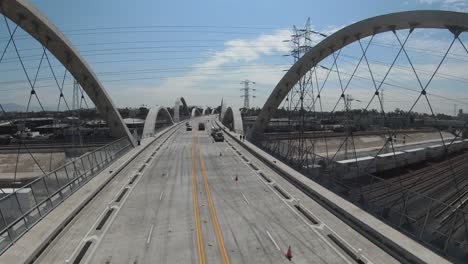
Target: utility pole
{"x": 382, "y": 99}
{"x": 76, "y": 95}
{"x": 348, "y": 129}
{"x": 246, "y": 94}
{"x": 75, "y": 112}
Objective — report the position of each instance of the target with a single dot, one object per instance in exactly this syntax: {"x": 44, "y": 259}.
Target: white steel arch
{"x": 206, "y": 110}
{"x": 151, "y": 119}
{"x": 233, "y": 119}
{"x": 456, "y": 22}
{"x": 31, "y": 20}
{"x": 194, "y": 112}
{"x": 178, "y": 102}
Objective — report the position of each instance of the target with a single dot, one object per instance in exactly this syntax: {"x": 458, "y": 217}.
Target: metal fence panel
{"x": 28, "y": 204}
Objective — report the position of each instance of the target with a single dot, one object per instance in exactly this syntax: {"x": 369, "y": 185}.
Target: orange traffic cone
{"x": 288, "y": 254}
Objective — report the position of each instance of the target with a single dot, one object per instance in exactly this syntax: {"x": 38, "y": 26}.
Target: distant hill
{"x": 12, "y": 107}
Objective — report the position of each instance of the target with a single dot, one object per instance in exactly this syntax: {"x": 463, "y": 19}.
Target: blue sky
{"x": 150, "y": 52}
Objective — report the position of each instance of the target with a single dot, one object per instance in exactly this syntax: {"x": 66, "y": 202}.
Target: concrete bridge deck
{"x": 152, "y": 217}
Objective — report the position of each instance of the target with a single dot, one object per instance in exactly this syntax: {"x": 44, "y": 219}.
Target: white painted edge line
{"x": 273, "y": 240}
{"x": 245, "y": 199}
{"x": 148, "y": 240}
{"x": 109, "y": 206}
{"x": 287, "y": 203}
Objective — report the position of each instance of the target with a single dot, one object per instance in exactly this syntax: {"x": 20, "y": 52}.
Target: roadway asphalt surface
{"x": 186, "y": 206}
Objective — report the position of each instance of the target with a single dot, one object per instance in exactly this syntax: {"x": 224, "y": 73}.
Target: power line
{"x": 21, "y": 36}
{"x": 153, "y": 70}
{"x": 34, "y": 57}
{"x": 147, "y": 78}
{"x": 159, "y": 47}
{"x": 171, "y": 26}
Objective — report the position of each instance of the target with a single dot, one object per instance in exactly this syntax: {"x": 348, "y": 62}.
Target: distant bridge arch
{"x": 151, "y": 119}
{"x": 178, "y": 103}
{"x": 456, "y": 22}
{"x": 31, "y": 20}
{"x": 223, "y": 110}
{"x": 214, "y": 110}
{"x": 195, "y": 110}
{"x": 233, "y": 120}
{"x": 206, "y": 110}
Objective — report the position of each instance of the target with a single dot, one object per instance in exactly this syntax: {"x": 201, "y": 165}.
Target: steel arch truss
{"x": 178, "y": 103}
{"x": 151, "y": 120}
{"x": 31, "y": 20}
{"x": 403, "y": 199}
{"x": 206, "y": 111}
{"x": 456, "y": 22}
{"x": 195, "y": 112}
{"x": 233, "y": 119}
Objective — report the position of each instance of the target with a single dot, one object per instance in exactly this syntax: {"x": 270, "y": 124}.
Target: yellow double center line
{"x": 214, "y": 218}
{"x": 200, "y": 246}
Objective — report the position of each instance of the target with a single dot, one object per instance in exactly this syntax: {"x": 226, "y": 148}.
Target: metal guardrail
{"x": 23, "y": 208}
{"x": 412, "y": 215}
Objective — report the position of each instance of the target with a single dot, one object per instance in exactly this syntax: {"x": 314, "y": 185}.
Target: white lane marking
{"x": 272, "y": 240}
{"x": 302, "y": 218}
{"x": 148, "y": 240}
{"x": 245, "y": 199}
{"x": 161, "y": 196}
{"x": 98, "y": 239}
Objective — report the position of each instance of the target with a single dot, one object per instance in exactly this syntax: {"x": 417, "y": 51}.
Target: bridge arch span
{"x": 151, "y": 119}
{"x": 180, "y": 102}
{"x": 233, "y": 120}
{"x": 214, "y": 111}
{"x": 31, "y": 20}
{"x": 206, "y": 110}
{"x": 456, "y": 22}
{"x": 195, "y": 110}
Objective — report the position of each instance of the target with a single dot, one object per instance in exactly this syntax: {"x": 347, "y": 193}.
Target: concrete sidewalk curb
{"x": 30, "y": 246}
{"x": 406, "y": 250}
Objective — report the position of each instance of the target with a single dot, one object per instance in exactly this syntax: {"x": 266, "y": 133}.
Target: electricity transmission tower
{"x": 246, "y": 94}
{"x": 300, "y": 102}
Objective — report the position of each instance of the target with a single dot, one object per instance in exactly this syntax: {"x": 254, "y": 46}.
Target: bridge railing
{"x": 23, "y": 208}
{"x": 432, "y": 222}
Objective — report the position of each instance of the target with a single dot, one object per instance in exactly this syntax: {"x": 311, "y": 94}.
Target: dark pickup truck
{"x": 218, "y": 136}
{"x": 214, "y": 131}
{"x": 201, "y": 126}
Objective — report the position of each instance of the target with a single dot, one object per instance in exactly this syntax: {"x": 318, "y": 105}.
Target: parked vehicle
{"x": 189, "y": 128}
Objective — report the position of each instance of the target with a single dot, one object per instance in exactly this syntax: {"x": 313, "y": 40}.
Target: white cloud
{"x": 211, "y": 80}
{"x": 457, "y": 5}
{"x": 211, "y": 72}
{"x": 215, "y": 78}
